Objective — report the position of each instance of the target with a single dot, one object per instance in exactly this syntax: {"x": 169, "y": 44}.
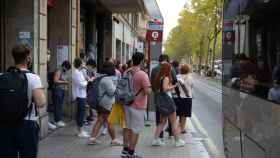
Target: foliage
{"x": 198, "y": 31}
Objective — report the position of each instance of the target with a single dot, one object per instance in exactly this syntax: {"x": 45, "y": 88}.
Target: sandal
{"x": 116, "y": 143}
{"x": 93, "y": 141}
{"x": 184, "y": 131}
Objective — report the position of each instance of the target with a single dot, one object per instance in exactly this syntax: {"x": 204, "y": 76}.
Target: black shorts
{"x": 184, "y": 106}
{"x": 102, "y": 110}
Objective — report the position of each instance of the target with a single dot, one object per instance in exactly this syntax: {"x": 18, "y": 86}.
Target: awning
{"x": 123, "y": 6}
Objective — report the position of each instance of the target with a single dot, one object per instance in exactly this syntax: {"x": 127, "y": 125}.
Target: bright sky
{"x": 170, "y": 10}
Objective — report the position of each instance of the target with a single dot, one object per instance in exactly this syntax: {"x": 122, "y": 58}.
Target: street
{"x": 207, "y": 109}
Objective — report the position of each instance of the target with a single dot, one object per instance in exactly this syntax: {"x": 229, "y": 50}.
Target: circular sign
{"x": 155, "y": 35}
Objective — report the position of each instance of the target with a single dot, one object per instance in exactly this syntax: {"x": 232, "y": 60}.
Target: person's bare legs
{"x": 173, "y": 121}
{"x": 183, "y": 123}
{"x": 126, "y": 136}
{"x": 97, "y": 126}
{"x": 133, "y": 140}
{"x": 111, "y": 128}
{"x": 160, "y": 127}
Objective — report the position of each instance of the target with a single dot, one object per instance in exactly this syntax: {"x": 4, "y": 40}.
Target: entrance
{"x": 2, "y": 35}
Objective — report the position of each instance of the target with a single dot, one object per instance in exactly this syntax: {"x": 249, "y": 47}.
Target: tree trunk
{"x": 208, "y": 54}
{"x": 214, "y": 50}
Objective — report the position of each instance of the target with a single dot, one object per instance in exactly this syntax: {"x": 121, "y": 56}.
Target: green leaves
{"x": 197, "y": 27}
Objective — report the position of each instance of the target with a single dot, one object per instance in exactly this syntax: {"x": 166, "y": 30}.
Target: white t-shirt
{"x": 79, "y": 84}
{"x": 187, "y": 80}
{"x": 34, "y": 82}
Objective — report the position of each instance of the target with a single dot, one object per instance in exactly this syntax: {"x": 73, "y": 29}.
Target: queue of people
{"x": 172, "y": 87}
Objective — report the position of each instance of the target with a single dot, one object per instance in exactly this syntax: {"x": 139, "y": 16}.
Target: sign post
{"x": 154, "y": 36}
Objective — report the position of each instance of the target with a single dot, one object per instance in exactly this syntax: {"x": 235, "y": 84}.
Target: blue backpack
{"x": 93, "y": 92}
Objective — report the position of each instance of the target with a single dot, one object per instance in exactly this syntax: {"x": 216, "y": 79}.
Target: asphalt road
{"x": 207, "y": 107}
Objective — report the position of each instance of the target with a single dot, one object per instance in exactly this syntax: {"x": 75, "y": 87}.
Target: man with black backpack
{"x": 21, "y": 94}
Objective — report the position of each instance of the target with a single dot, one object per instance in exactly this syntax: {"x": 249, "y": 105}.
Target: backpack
{"x": 93, "y": 92}
{"x": 14, "y": 96}
{"x": 124, "y": 90}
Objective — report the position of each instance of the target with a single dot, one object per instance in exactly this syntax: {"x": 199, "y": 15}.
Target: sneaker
{"x": 124, "y": 154}
{"x": 51, "y": 126}
{"x": 93, "y": 141}
{"x": 180, "y": 143}
{"x": 87, "y": 123}
{"x": 60, "y": 124}
{"x": 83, "y": 134}
{"x": 133, "y": 156}
{"x": 158, "y": 142}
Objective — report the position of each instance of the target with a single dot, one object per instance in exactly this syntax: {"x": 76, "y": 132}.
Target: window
{"x": 255, "y": 67}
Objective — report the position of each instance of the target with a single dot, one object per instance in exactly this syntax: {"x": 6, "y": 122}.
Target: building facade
{"x": 98, "y": 28}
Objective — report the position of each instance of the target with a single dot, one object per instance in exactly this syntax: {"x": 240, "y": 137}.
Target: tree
{"x": 198, "y": 31}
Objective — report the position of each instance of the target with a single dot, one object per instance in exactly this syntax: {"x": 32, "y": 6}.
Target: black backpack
{"x": 13, "y": 96}
{"x": 93, "y": 98}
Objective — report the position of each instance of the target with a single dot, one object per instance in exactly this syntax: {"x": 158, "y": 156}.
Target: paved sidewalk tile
{"x": 65, "y": 144}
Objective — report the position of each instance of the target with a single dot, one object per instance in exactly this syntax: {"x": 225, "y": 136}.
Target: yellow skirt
{"x": 117, "y": 115}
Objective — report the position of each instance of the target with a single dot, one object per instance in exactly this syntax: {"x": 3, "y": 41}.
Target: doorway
{"x": 2, "y": 35}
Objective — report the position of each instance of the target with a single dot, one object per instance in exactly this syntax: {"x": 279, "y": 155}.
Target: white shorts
{"x": 135, "y": 119}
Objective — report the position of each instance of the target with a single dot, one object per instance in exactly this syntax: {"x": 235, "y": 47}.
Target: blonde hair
{"x": 185, "y": 69}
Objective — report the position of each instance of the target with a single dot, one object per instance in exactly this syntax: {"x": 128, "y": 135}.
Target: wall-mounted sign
{"x": 154, "y": 35}
{"x": 62, "y": 54}
{"x": 154, "y": 26}
{"x": 25, "y": 37}
{"x": 51, "y": 3}
{"x": 229, "y": 37}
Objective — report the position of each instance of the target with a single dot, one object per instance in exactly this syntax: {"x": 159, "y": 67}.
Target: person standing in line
{"x": 61, "y": 83}
{"x": 175, "y": 65}
{"x": 135, "y": 113}
{"x": 89, "y": 72}
{"x": 163, "y": 83}
{"x": 163, "y": 58}
{"x": 80, "y": 95}
{"x": 50, "y": 75}
{"x": 184, "y": 100}
{"x": 106, "y": 99}
{"x": 21, "y": 140}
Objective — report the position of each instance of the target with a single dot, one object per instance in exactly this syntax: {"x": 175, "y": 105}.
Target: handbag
{"x": 164, "y": 103}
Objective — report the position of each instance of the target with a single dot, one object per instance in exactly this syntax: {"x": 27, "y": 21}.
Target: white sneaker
{"x": 180, "y": 143}
{"x": 51, "y": 126}
{"x": 83, "y": 134}
{"x": 157, "y": 142}
{"x": 60, "y": 124}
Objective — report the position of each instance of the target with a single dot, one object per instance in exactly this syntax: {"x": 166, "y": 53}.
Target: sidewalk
{"x": 64, "y": 144}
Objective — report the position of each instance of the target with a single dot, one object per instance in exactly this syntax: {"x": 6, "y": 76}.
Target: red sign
{"x": 229, "y": 37}
{"x": 154, "y": 35}
{"x": 51, "y": 3}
